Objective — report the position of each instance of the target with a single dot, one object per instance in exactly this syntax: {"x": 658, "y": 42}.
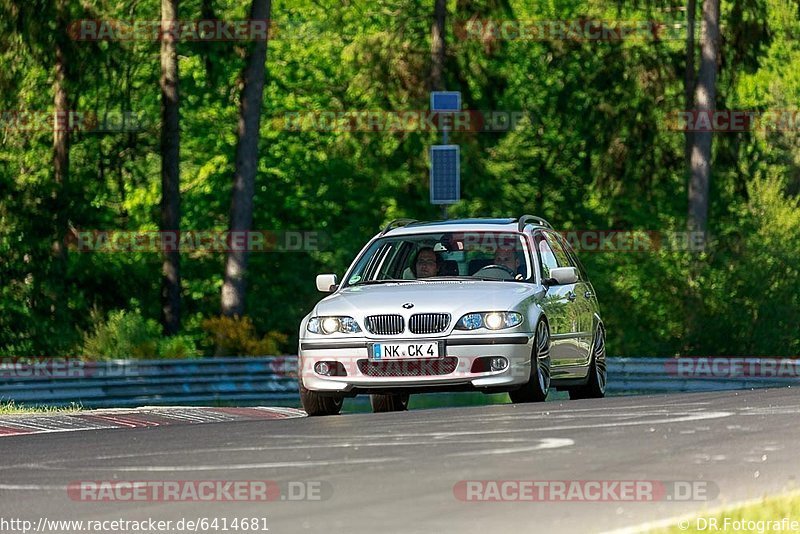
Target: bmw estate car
{"x": 490, "y": 305}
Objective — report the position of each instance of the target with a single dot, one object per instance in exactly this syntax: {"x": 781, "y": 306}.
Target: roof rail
{"x": 397, "y": 223}
{"x": 525, "y": 219}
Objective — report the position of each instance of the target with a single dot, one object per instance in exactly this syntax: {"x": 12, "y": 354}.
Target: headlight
{"x": 490, "y": 320}
{"x": 330, "y": 325}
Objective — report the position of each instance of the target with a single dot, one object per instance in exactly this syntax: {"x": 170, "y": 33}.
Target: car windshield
{"x": 474, "y": 255}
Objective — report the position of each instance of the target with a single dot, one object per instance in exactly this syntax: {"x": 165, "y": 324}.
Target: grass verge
{"x": 12, "y": 408}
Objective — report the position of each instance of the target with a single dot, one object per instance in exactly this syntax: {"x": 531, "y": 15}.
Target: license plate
{"x": 398, "y": 351}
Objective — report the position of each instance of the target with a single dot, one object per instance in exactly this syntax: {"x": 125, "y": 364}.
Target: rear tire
{"x": 389, "y": 403}
{"x": 538, "y": 385}
{"x": 315, "y": 404}
{"x": 595, "y": 388}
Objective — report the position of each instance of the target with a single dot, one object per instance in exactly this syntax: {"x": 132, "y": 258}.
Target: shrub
{"x": 127, "y": 334}
{"x": 236, "y": 336}
{"x": 177, "y": 348}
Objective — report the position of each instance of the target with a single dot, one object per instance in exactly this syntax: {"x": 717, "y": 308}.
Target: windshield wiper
{"x": 439, "y": 278}
{"x": 383, "y": 281}
{"x": 499, "y": 279}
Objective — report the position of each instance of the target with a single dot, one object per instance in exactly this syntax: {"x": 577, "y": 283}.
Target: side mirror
{"x": 562, "y": 276}
{"x": 326, "y": 282}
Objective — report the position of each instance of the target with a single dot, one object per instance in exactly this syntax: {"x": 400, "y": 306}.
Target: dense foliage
{"x": 595, "y": 152}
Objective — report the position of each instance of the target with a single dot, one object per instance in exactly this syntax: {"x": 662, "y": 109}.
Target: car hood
{"x": 454, "y": 297}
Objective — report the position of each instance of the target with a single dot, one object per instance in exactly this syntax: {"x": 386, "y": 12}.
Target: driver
{"x": 507, "y": 257}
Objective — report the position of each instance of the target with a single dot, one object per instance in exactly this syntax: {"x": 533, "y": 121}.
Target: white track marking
{"x": 229, "y": 467}
{"x": 546, "y": 443}
{"x": 446, "y": 435}
{"x": 664, "y": 421}
{"x": 31, "y": 487}
{"x": 345, "y": 445}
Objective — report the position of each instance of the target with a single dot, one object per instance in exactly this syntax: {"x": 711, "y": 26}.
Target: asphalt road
{"x": 404, "y": 472}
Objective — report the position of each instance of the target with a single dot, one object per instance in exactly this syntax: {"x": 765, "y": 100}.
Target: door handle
{"x": 571, "y": 296}
{"x": 588, "y": 294}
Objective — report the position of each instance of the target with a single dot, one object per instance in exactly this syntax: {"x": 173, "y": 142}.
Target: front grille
{"x": 429, "y": 323}
{"x": 428, "y": 367}
{"x": 385, "y": 325}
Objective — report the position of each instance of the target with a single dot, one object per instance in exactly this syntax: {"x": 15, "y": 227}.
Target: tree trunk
{"x": 61, "y": 143}
{"x": 241, "y": 220}
{"x": 689, "y": 74}
{"x": 206, "y": 48}
{"x": 61, "y": 132}
{"x": 705, "y": 96}
{"x": 170, "y": 177}
{"x": 438, "y": 45}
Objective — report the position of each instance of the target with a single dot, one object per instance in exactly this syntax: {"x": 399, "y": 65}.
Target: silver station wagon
{"x": 491, "y": 305}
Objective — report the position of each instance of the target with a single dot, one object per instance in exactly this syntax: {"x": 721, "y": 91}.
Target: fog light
{"x": 498, "y": 364}
{"x": 322, "y": 368}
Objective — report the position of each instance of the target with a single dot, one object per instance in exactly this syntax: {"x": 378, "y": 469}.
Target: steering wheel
{"x": 496, "y": 266}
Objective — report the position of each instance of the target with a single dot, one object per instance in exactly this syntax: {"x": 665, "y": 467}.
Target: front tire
{"x": 315, "y": 404}
{"x": 538, "y": 385}
{"x": 595, "y": 387}
{"x": 388, "y": 403}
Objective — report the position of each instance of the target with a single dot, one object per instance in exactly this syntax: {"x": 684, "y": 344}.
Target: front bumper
{"x": 460, "y": 352}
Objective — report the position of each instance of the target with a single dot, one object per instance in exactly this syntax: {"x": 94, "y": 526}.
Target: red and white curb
{"x": 17, "y": 425}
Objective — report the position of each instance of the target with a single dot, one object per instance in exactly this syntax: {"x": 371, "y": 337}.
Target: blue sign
{"x": 446, "y": 101}
{"x": 445, "y": 174}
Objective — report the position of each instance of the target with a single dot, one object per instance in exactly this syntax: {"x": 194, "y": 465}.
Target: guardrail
{"x": 664, "y": 375}
{"x": 129, "y": 383}
{"x": 271, "y": 380}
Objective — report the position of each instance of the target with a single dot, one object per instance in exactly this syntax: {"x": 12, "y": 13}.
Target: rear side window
{"x": 558, "y": 250}
{"x": 547, "y": 257}
{"x": 573, "y": 257}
